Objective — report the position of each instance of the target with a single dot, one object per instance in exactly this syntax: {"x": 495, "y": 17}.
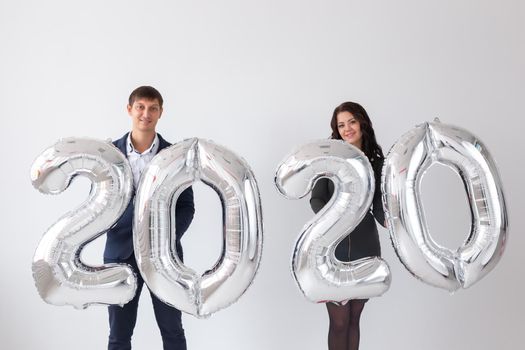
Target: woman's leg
{"x": 339, "y": 324}
{"x": 356, "y": 307}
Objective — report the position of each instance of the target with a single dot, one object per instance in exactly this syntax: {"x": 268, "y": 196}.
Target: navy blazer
{"x": 119, "y": 242}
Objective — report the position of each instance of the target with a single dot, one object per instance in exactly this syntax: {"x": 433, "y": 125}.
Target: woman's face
{"x": 349, "y": 128}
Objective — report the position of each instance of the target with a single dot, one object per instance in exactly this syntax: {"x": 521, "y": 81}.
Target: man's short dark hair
{"x": 147, "y": 92}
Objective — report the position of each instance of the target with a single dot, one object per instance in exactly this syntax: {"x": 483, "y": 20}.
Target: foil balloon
{"x": 406, "y": 164}
{"x": 171, "y": 172}
{"x": 319, "y": 275}
{"x": 60, "y": 275}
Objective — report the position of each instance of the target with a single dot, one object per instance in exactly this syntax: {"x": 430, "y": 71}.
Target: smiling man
{"x": 140, "y": 146}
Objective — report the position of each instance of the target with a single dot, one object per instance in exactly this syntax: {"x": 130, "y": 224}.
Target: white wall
{"x": 261, "y": 77}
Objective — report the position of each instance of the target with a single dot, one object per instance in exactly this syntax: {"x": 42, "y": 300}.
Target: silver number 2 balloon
{"x": 404, "y": 168}
{"x": 319, "y": 275}
{"x": 60, "y": 276}
{"x": 171, "y": 172}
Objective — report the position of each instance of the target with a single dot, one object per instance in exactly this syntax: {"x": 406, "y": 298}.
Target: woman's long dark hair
{"x": 369, "y": 144}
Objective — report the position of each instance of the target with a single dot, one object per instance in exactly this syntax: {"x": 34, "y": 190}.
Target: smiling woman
{"x": 351, "y": 123}
{"x": 349, "y": 128}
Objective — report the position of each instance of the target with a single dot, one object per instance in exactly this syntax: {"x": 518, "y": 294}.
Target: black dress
{"x": 363, "y": 241}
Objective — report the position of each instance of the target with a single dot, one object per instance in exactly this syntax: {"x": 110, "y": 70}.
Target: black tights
{"x": 344, "y": 325}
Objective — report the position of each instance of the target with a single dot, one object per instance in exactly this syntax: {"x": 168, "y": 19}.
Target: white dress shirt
{"x": 139, "y": 161}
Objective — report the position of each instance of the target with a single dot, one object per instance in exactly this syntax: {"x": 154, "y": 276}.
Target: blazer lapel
{"x": 121, "y": 144}
{"x": 162, "y": 143}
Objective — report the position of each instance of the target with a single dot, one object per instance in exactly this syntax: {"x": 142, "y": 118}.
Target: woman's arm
{"x": 320, "y": 195}
{"x": 377, "y": 203}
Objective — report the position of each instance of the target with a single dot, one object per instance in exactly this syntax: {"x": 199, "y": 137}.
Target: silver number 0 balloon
{"x": 60, "y": 276}
{"x": 171, "y": 172}
{"x": 319, "y": 275}
{"x": 404, "y": 168}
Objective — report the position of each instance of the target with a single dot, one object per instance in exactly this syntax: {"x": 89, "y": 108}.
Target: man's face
{"x": 145, "y": 114}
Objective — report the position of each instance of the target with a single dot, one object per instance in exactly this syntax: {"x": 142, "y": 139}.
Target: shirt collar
{"x": 152, "y": 149}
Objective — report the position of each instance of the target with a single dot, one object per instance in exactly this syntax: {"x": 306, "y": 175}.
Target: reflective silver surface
{"x": 319, "y": 275}
{"x": 60, "y": 276}
{"x": 171, "y": 172}
{"x": 404, "y": 168}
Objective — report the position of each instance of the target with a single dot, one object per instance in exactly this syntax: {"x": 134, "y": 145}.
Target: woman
{"x": 351, "y": 123}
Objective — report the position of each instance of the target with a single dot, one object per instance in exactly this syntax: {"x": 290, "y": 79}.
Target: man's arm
{"x": 184, "y": 211}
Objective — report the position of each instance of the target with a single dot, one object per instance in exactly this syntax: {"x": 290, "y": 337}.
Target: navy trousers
{"x": 122, "y": 319}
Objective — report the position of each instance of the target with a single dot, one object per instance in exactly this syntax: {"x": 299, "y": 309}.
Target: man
{"x": 140, "y": 146}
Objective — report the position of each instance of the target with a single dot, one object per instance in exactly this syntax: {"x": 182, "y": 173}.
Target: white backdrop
{"x": 261, "y": 77}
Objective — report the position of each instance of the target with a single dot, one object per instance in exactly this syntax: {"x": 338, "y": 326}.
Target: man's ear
{"x": 128, "y": 108}
{"x": 161, "y": 110}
